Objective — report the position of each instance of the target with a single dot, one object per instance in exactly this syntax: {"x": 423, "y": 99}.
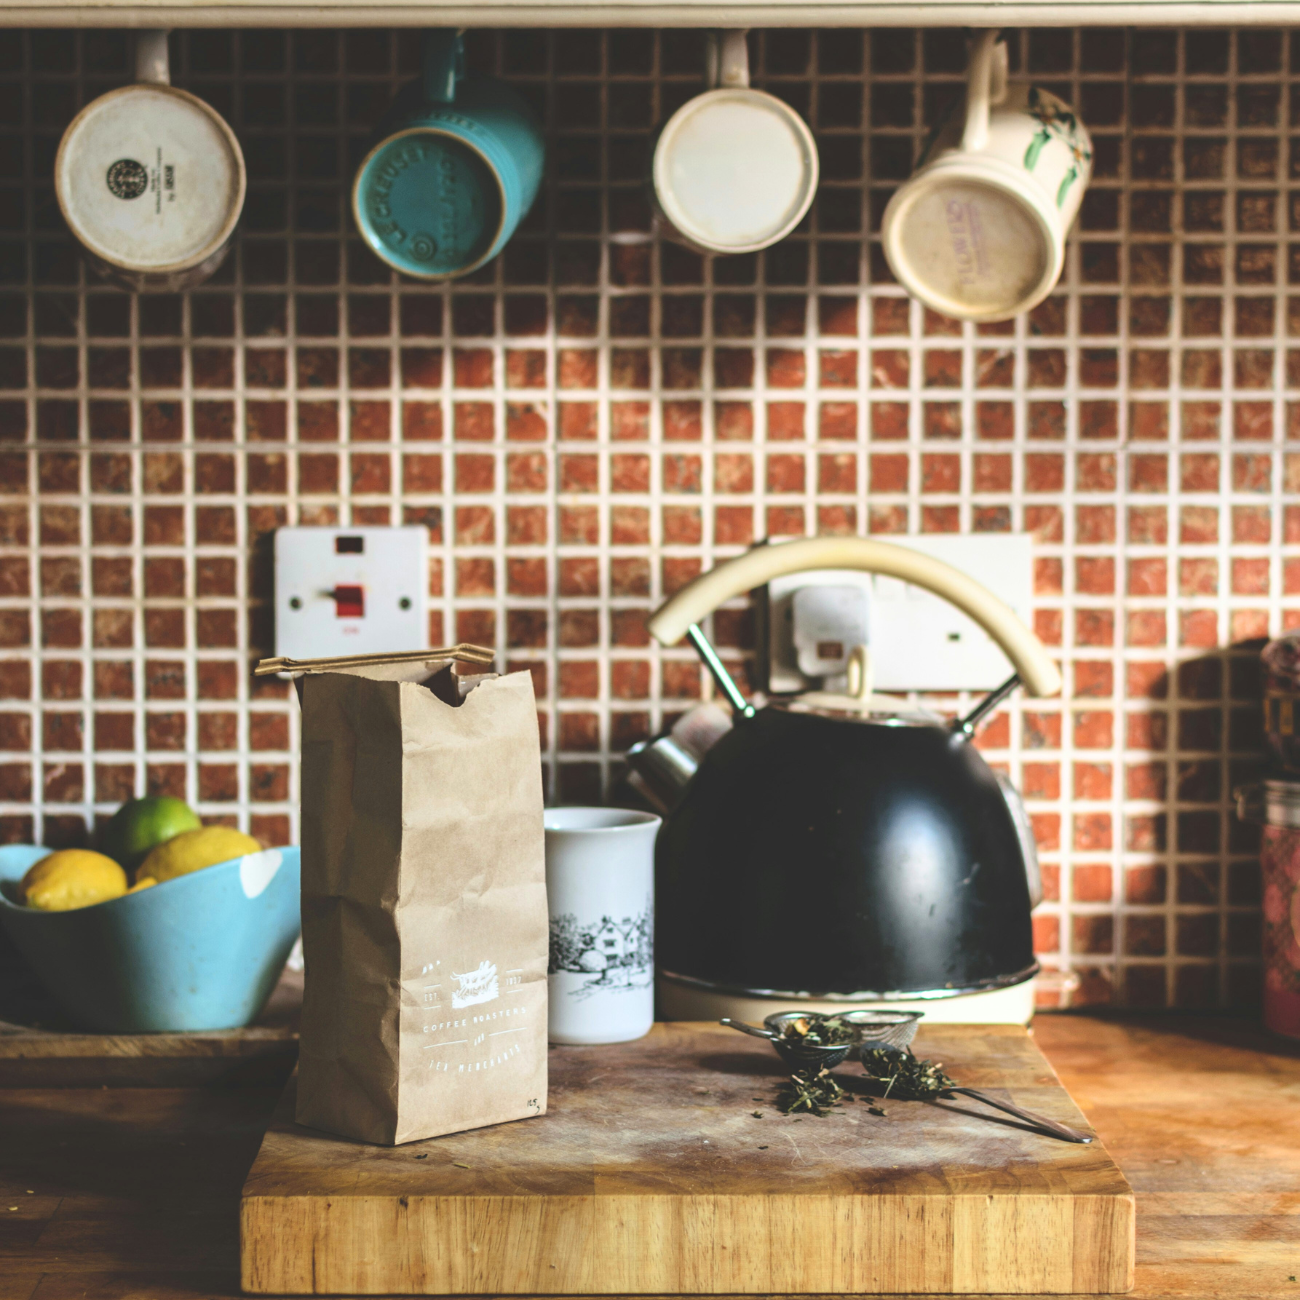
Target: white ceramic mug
{"x": 600, "y": 892}
{"x": 978, "y": 232}
{"x": 151, "y": 180}
{"x": 734, "y": 169}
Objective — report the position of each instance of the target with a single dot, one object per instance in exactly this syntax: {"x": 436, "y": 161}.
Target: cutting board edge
{"x": 967, "y": 1245}
{"x": 298, "y": 1239}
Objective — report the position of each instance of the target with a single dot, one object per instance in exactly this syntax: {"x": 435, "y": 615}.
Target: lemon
{"x": 73, "y": 878}
{"x": 142, "y": 824}
{"x": 194, "y": 850}
{"x": 145, "y": 882}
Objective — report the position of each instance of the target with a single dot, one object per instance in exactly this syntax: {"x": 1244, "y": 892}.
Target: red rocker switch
{"x": 349, "y": 602}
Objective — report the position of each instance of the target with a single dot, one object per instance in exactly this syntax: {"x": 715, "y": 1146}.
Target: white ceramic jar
{"x": 978, "y": 232}
{"x": 600, "y": 893}
{"x": 151, "y": 180}
{"x": 734, "y": 169}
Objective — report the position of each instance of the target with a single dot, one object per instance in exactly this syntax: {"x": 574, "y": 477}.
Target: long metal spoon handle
{"x": 753, "y": 1030}
{"x": 1062, "y": 1131}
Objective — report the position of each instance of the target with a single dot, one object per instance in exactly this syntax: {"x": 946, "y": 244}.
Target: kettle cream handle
{"x": 701, "y": 597}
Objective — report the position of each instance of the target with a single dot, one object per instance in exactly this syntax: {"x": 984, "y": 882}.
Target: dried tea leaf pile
{"x": 904, "y": 1075}
{"x": 809, "y": 1092}
{"x": 813, "y": 1091}
{"x": 818, "y": 1031}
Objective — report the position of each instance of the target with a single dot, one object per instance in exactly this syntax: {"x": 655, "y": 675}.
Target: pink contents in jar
{"x": 1280, "y": 878}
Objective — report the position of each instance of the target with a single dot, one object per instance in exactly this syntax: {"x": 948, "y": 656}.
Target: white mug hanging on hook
{"x": 151, "y": 180}
{"x": 734, "y": 169}
{"x": 978, "y": 233}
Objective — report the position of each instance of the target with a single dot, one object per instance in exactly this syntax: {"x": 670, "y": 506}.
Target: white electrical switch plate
{"x": 345, "y": 591}
{"x": 917, "y": 640}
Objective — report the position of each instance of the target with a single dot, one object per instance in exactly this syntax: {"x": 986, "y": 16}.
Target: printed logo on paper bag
{"x": 478, "y": 986}
{"x": 470, "y": 1042}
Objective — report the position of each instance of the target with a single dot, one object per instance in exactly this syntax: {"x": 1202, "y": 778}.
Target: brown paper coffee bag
{"x": 424, "y": 920}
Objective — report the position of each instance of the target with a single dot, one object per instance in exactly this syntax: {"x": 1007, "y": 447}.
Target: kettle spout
{"x": 661, "y": 771}
{"x": 662, "y": 767}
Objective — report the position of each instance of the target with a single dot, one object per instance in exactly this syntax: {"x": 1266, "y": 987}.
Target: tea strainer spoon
{"x": 892, "y": 1029}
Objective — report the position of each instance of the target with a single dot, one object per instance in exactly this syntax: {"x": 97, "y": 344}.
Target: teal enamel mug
{"x": 455, "y": 167}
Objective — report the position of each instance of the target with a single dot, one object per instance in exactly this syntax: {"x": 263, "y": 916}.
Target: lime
{"x": 72, "y": 878}
{"x": 140, "y": 825}
{"x": 194, "y": 850}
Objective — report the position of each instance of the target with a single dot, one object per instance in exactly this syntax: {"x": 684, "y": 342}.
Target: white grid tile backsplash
{"x": 597, "y": 416}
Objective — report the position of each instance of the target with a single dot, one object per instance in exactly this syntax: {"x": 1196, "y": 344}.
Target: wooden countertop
{"x": 132, "y": 1193}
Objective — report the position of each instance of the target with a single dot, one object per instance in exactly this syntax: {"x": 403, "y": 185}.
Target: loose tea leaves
{"x": 818, "y": 1031}
{"x": 812, "y": 1092}
{"x": 904, "y": 1075}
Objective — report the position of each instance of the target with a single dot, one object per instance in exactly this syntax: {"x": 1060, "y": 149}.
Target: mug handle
{"x": 986, "y": 84}
{"x": 726, "y": 58}
{"x": 151, "y": 62}
{"x": 444, "y": 63}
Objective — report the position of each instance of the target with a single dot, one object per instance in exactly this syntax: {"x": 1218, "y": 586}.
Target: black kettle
{"x": 840, "y": 846}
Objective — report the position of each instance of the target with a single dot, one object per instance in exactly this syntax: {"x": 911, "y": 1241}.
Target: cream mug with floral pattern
{"x": 978, "y": 232}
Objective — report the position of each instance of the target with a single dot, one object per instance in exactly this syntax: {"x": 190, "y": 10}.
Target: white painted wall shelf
{"x": 650, "y": 13}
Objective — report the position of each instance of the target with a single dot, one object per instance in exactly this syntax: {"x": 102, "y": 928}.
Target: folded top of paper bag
{"x": 463, "y": 653}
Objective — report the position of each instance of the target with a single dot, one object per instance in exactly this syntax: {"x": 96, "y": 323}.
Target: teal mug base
{"x": 445, "y": 185}
{"x": 429, "y": 203}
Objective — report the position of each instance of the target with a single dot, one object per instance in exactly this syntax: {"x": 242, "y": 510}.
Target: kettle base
{"x": 678, "y": 1000}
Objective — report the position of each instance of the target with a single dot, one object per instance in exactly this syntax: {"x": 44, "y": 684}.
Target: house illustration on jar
{"x": 611, "y": 942}
{"x": 610, "y": 945}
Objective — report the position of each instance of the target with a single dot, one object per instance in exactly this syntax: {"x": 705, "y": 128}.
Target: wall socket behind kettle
{"x": 809, "y": 622}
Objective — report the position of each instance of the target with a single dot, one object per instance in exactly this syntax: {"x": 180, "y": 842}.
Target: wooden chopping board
{"x": 651, "y": 1174}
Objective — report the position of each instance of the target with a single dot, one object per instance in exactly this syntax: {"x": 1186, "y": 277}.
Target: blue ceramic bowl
{"x": 199, "y": 952}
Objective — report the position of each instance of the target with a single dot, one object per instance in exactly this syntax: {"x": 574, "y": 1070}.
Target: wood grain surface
{"x": 135, "y": 1191}
{"x": 663, "y": 1167}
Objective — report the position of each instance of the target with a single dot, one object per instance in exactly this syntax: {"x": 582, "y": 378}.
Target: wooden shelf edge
{"x": 654, "y": 13}
{"x": 248, "y": 1058}
{"x": 262, "y": 1053}
{"x": 231, "y": 1043}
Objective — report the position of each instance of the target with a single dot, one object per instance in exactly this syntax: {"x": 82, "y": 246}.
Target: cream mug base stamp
{"x": 978, "y": 233}
{"x": 600, "y": 895}
{"x": 151, "y": 180}
{"x": 734, "y": 169}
